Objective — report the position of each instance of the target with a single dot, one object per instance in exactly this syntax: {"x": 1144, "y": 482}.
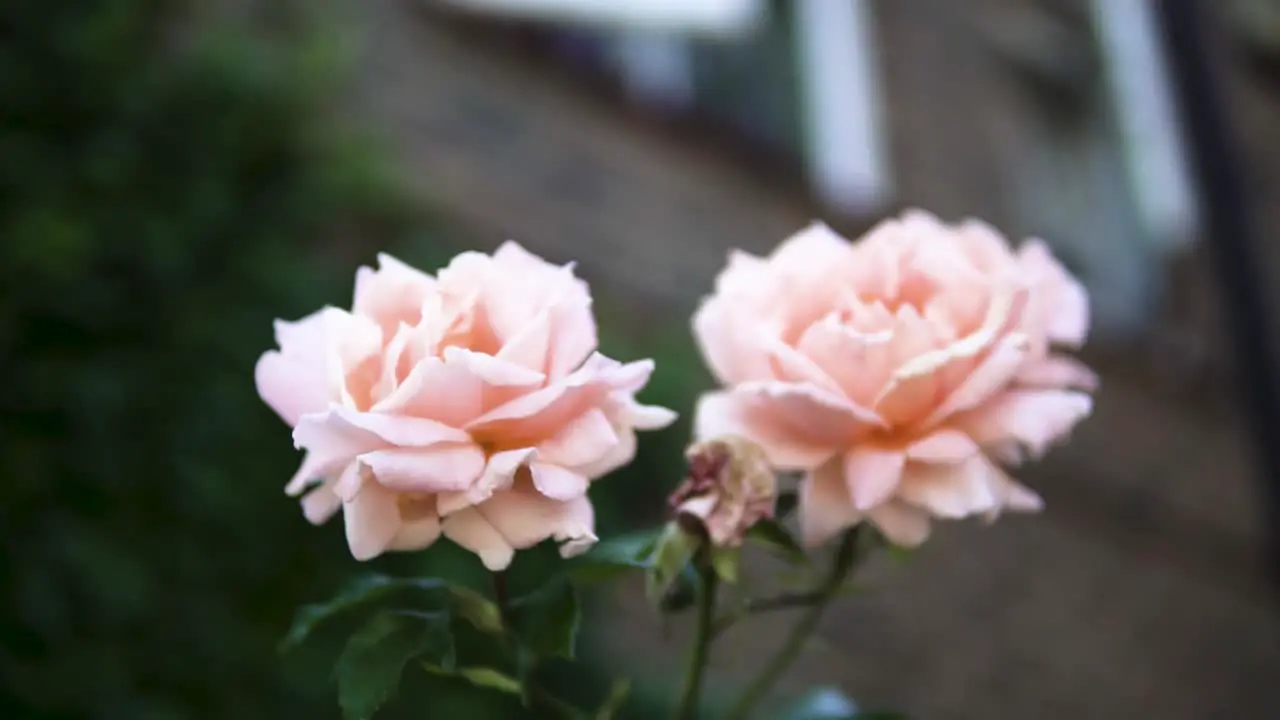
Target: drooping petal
{"x": 471, "y": 530}
{"x": 372, "y": 519}
{"x": 825, "y": 507}
{"x": 872, "y": 474}
{"x": 951, "y": 490}
{"x": 498, "y": 474}
{"x": 557, "y": 483}
{"x": 1057, "y": 372}
{"x": 1034, "y": 418}
{"x": 760, "y": 420}
{"x": 439, "y": 468}
{"x": 902, "y": 524}
{"x": 946, "y": 445}
{"x": 525, "y": 518}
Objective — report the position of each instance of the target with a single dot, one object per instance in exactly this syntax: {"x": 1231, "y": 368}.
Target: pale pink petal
{"x": 991, "y": 376}
{"x": 498, "y": 371}
{"x": 946, "y": 445}
{"x": 1034, "y": 418}
{"x": 436, "y": 390}
{"x": 620, "y": 454}
{"x": 312, "y": 470}
{"x": 320, "y": 504}
{"x": 1057, "y": 372}
{"x": 872, "y": 474}
{"x": 825, "y": 506}
{"x": 645, "y": 417}
{"x": 901, "y": 524}
{"x": 747, "y": 415}
{"x": 859, "y": 363}
{"x": 733, "y": 348}
{"x": 342, "y": 430}
{"x": 952, "y": 491}
{"x": 392, "y": 294}
{"x": 498, "y": 474}
{"x": 556, "y": 482}
{"x": 530, "y": 345}
{"x": 584, "y": 440}
{"x": 293, "y": 380}
{"x": 914, "y": 388}
{"x": 440, "y": 468}
{"x": 372, "y": 520}
{"x": 525, "y": 518}
{"x": 416, "y": 535}
{"x": 574, "y": 337}
{"x": 1066, "y": 301}
{"x": 471, "y": 530}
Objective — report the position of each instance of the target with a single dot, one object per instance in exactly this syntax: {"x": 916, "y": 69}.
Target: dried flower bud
{"x": 729, "y": 488}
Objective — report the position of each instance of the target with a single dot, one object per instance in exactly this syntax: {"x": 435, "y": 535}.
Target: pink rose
{"x": 471, "y": 404}
{"x": 898, "y": 372}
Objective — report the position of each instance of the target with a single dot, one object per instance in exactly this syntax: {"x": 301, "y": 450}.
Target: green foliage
{"x": 160, "y": 203}
{"x": 370, "y": 666}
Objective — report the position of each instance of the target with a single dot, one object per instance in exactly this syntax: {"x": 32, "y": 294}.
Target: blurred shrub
{"x": 163, "y": 196}
{"x": 160, "y": 202}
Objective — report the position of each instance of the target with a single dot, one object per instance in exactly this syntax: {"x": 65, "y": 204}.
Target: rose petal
{"x": 582, "y": 441}
{"x": 951, "y": 491}
{"x": 471, "y": 530}
{"x": 526, "y": 518}
{"x": 901, "y": 524}
{"x": 754, "y": 418}
{"x": 1057, "y": 372}
{"x": 556, "y": 482}
{"x": 825, "y": 506}
{"x": 1034, "y": 418}
{"x": 440, "y": 468}
{"x": 372, "y": 519}
{"x": 872, "y": 474}
{"x": 946, "y": 445}
{"x": 498, "y": 474}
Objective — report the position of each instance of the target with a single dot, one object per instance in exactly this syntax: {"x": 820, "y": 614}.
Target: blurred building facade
{"x": 647, "y": 155}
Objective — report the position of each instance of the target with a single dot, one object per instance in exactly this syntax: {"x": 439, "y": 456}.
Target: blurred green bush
{"x": 163, "y": 196}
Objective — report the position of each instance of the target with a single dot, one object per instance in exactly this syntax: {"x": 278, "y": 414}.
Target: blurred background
{"x": 175, "y": 174}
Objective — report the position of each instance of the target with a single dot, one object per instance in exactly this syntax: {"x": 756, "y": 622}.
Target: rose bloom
{"x": 471, "y": 404}
{"x": 898, "y": 372}
{"x": 730, "y": 487}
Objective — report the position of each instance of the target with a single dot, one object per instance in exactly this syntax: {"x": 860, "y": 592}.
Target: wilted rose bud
{"x": 730, "y": 487}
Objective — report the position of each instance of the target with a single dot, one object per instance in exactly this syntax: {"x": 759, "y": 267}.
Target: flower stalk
{"x": 700, "y": 650}
{"x": 842, "y": 566}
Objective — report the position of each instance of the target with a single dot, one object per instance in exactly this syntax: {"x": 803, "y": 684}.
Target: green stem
{"x": 701, "y": 648}
{"x": 841, "y": 567}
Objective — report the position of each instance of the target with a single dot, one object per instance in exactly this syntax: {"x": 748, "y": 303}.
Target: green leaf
{"x": 371, "y": 663}
{"x": 610, "y": 558}
{"x": 725, "y": 562}
{"x": 776, "y": 538}
{"x": 480, "y": 677}
{"x": 613, "y": 703}
{"x": 546, "y": 620}
{"x": 900, "y": 555}
{"x": 371, "y": 589}
{"x": 671, "y": 557}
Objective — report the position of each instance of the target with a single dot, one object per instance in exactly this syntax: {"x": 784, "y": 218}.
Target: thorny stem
{"x": 700, "y": 650}
{"x": 841, "y": 567}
